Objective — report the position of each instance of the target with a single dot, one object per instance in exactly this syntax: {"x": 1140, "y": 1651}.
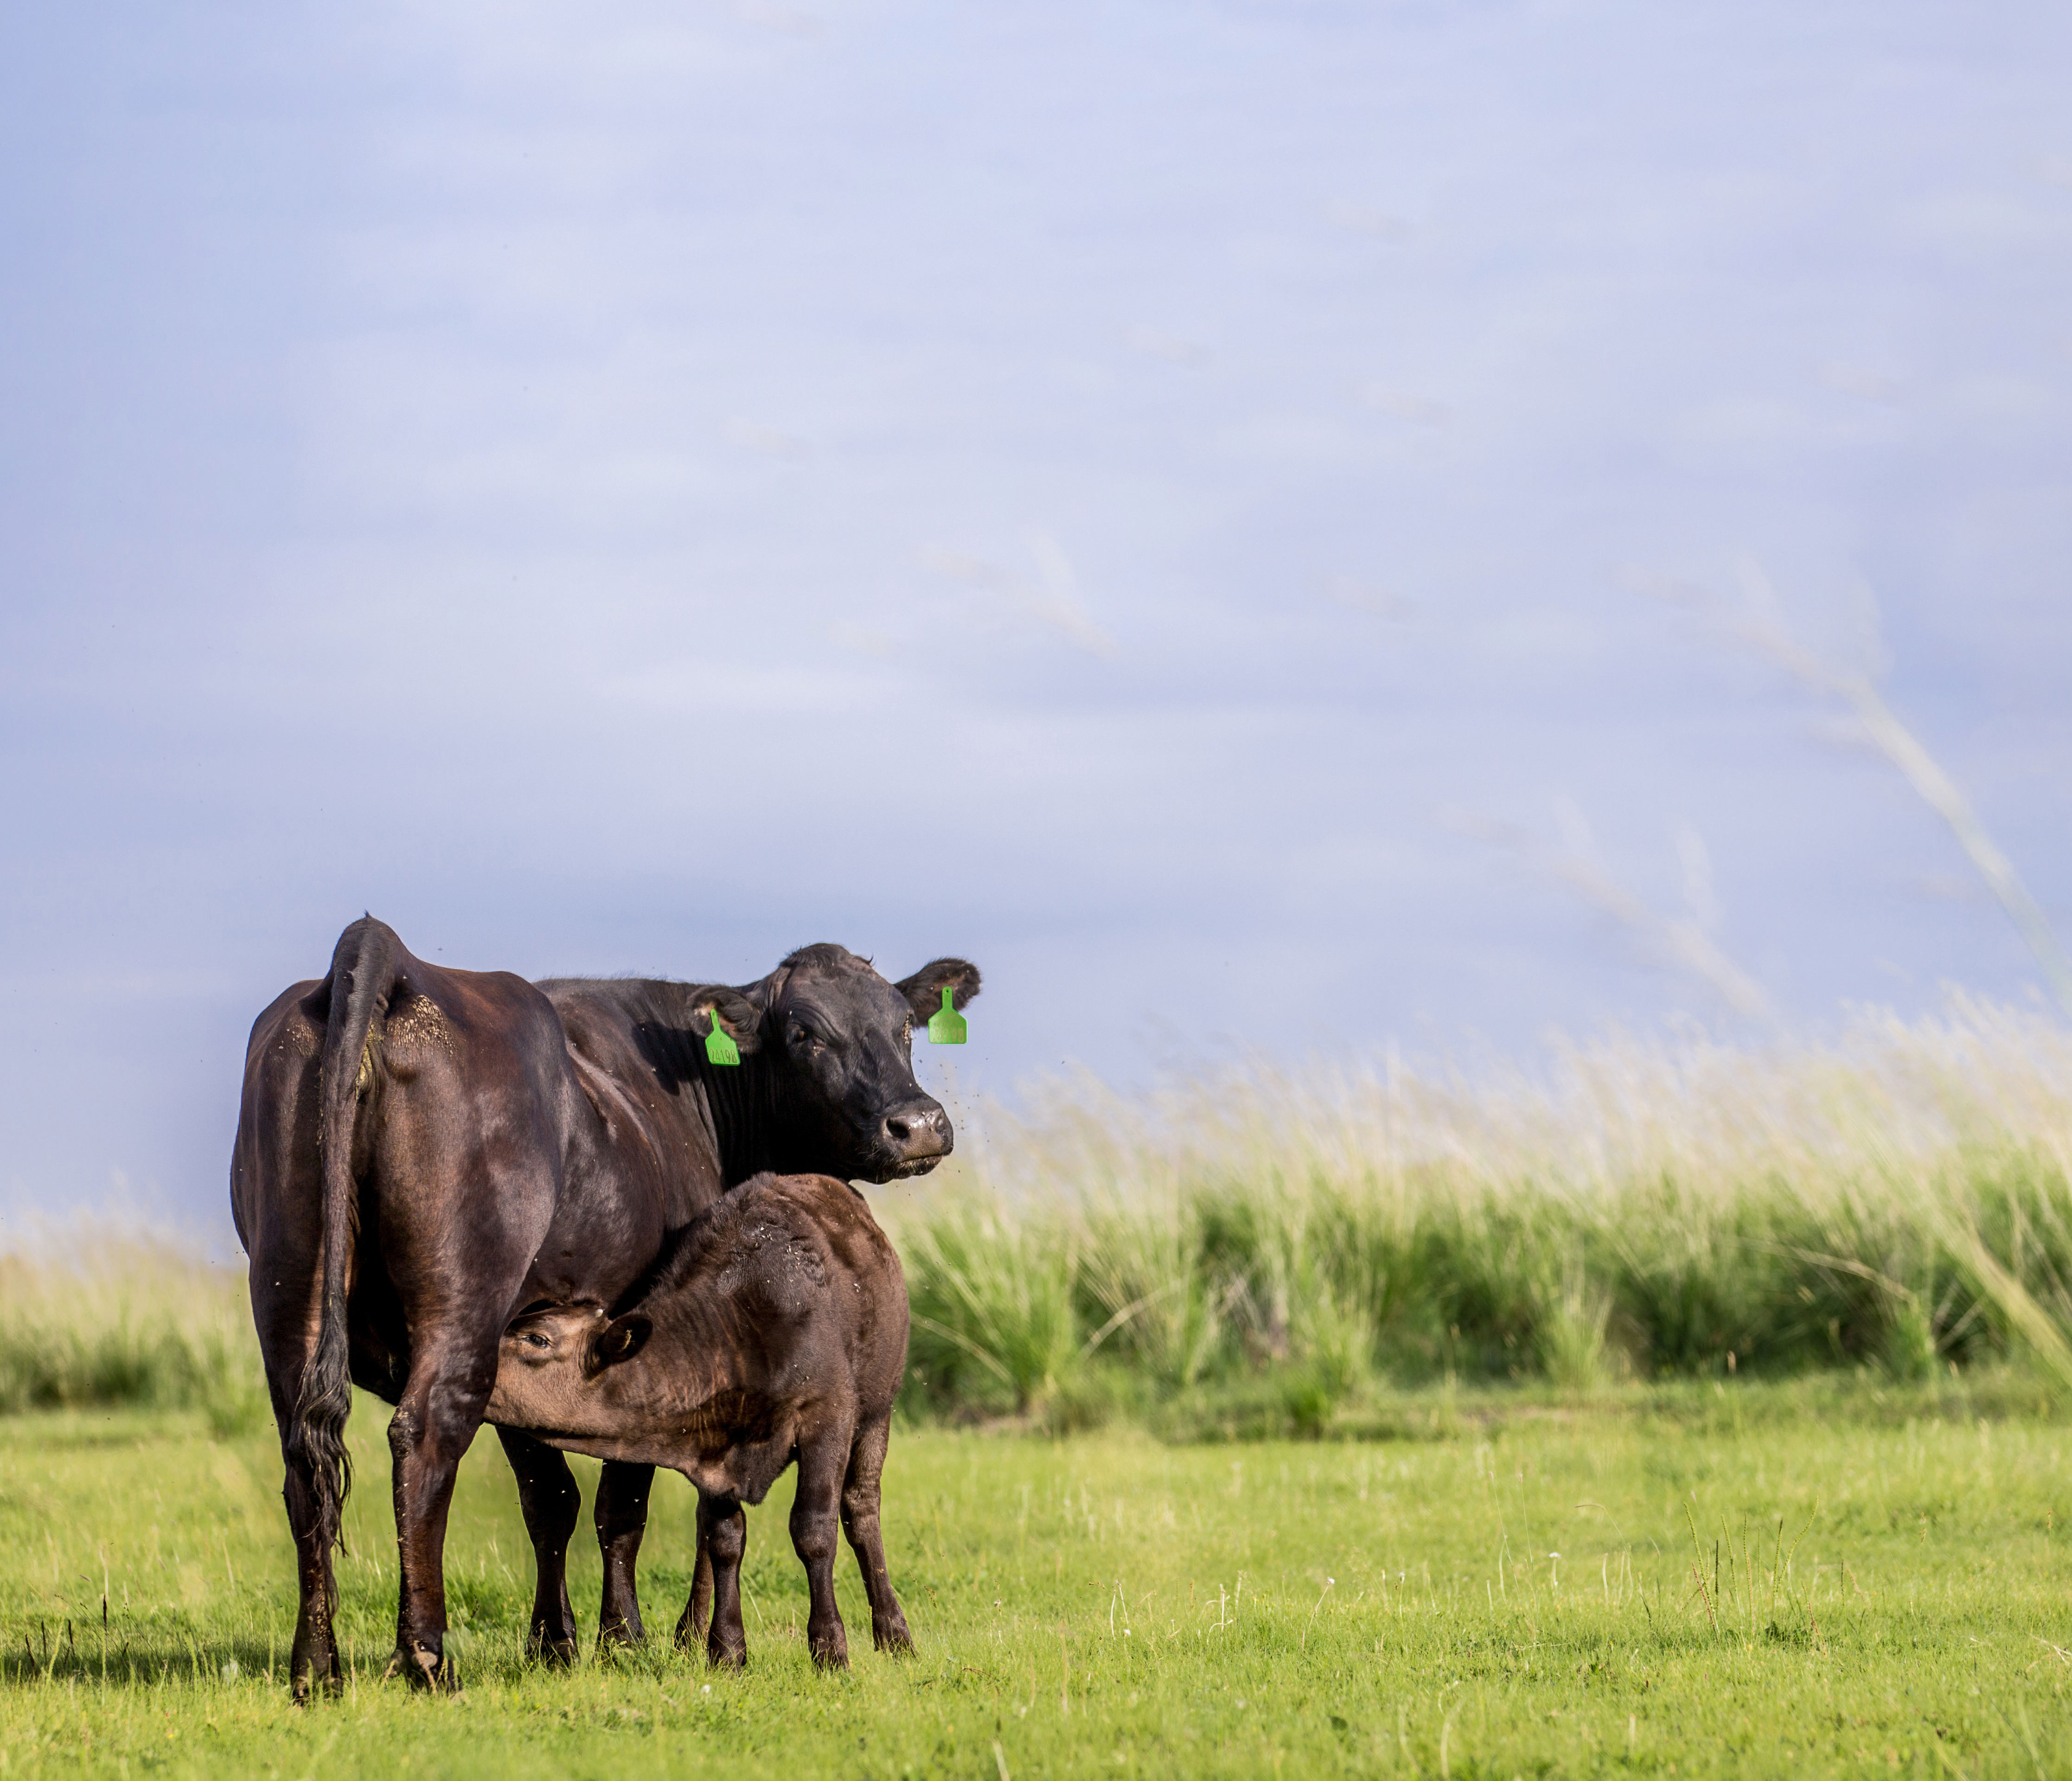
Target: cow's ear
{"x": 923, "y": 990}
{"x": 741, "y": 1018}
{"x": 620, "y": 1340}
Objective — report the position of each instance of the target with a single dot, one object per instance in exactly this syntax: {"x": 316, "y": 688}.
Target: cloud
{"x": 1050, "y": 595}
{"x": 1155, "y": 343}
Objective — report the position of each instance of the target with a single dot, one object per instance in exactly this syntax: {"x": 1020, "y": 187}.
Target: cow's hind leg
{"x": 284, "y": 1285}
{"x": 723, "y": 1531}
{"x": 547, "y": 1493}
{"x": 313, "y": 1661}
{"x": 441, "y": 1409}
{"x": 816, "y": 1511}
{"x": 859, "y": 1515}
{"x": 622, "y": 1519}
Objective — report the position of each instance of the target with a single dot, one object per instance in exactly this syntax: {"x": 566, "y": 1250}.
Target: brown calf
{"x": 773, "y": 1328}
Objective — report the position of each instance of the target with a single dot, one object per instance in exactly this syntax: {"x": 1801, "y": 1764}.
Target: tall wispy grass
{"x": 1259, "y": 1248}
{"x": 94, "y": 1314}
{"x": 1899, "y": 1197}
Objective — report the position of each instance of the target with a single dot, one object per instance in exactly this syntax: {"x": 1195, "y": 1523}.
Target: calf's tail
{"x": 363, "y": 971}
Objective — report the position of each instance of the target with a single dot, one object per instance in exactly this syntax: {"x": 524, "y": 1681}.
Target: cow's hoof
{"x": 727, "y": 1657}
{"x": 894, "y": 1638}
{"x": 315, "y": 1669}
{"x": 557, "y": 1652}
{"x": 425, "y": 1670}
{"x": 619, "y": 1635}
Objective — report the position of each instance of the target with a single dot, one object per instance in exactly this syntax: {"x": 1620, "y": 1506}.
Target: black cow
{"x": 422, "y": 1154}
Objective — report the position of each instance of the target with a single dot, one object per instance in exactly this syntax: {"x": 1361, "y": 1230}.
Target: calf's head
{"x": 839, "y": 1038}
{"x": 552, "y": 1367}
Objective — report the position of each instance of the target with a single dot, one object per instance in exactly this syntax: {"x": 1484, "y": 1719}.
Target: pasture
{"x": 1828, "y": 1576}
{"x": 1243, "y": 1425}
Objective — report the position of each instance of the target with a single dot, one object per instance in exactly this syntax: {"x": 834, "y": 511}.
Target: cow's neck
{"x": 743, "y": 1102}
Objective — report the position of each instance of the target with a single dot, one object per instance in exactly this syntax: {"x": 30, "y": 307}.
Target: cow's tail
{"x": 362, "y": 970}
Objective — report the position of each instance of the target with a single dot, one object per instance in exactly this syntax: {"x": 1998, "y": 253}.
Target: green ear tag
{"x": 946, "y": 1025}
{"x": 720, "y": 1047}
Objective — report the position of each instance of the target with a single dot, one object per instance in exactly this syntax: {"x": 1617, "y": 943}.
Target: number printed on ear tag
{"x": 720, "y": 1047}
{"x": 946, "y": 1025}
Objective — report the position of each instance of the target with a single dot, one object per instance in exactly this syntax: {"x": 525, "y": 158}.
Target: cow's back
{"x": 645, "y": 1161}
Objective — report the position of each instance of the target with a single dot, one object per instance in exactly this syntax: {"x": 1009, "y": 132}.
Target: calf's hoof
{"x": 726, "y": 1657}
{"x": 893, "y": 1637}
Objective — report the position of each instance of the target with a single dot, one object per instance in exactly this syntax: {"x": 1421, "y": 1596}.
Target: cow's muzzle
{"x": 916, "y": 1138}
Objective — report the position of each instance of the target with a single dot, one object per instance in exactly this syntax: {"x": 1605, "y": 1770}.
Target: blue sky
{"x": 1235, "y": 517}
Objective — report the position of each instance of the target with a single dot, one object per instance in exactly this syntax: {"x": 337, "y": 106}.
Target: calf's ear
{"x": 620, "y": 1340}
{"x": 740, "y": 1017}
{"x": 923, "y": 990}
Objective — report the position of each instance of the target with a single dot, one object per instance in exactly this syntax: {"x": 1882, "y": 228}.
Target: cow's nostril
{"x": 916, "y": 1132}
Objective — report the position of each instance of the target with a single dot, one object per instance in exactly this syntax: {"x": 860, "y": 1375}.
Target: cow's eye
{"x": 533, "y": 1339}
{"x": 805, "y": 1035}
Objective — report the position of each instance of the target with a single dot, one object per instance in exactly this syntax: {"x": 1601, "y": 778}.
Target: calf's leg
{"x": 548, "y": 1495}
{"x": 815, "y": 1513}
{"x": 859, "y": 1515}
{"x": 723, "y": 1530}
{"x": 622, "y": 1519}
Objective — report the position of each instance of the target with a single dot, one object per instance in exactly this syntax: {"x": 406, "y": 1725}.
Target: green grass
{"x": 1104, "y": 1604}
{"x": 1277, "y": 1248}
{"x": 96, "y": 1315}
{"x": 1772, "y": 1347}
{"x": 1264, "y": 1253}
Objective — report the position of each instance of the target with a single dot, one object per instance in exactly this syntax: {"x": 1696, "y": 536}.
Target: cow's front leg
{"x": 552, "y": 1504}
{"x": 724, "y": 1529}
{"x": 696, "y": 1617}
{"x": 441, "y": 1409}
{"x": 622, "y": 1519}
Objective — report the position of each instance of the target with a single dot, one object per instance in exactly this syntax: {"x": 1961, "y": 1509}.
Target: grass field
{"x": 1772, "y": 1348}
{"x": 1832, "y": 1575}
